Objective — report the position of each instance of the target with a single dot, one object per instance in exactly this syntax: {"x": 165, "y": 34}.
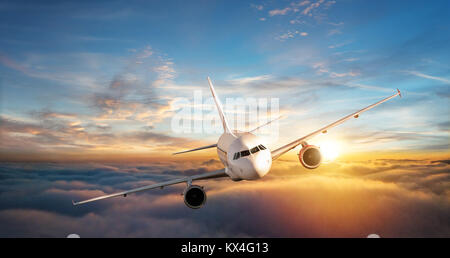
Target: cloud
{"x": 68, "y": 136}
{"x": 412, "y": 140}
{"x": 279, "y": 11}
{"x": 369, "y": 87}
{"x": 329, "y": 3}
{"x": 389, "y": 197}
{"x": 310, "y": 8}
{"x": 336, "y": 23}
{"x": 94, "y": 38}
{"x": 323, "y": 68}
{"x": 350, "y": 59}
{"x": 47, "y": 114}
{"x": 21, "y": 135}
{"x": 351, "y": 74}
{"x": 334, "y": 32}
{"x": 103, "y": 14}
{"x": 247, "y": 80}
{"x": 257, "y": 7}
{"x": 290, "y": 35}
{"x": 213, "y": 162}
{"x": 165, "y": 72}
{"x": 426, "y": 76}
{"x": 43, "y": 68}
{"x": 262, "y": 85}
{"x": 300, "y": 3}
{"x": 295, "y": 7}
{"x": 339, "y": 45}
{"x": 284, "y": 36}
{"x": 8, "y": 62}
{"x": 445, "y": 126}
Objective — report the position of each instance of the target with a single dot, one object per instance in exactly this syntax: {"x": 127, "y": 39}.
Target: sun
{"x": 330, "y": 150}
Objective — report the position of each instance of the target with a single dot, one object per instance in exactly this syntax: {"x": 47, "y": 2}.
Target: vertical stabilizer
{"x": 226, "y": 128}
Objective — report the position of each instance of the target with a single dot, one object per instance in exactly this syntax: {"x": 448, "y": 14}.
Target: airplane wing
{"x": 188, "y": 179}
{"x": 280, "y": 151}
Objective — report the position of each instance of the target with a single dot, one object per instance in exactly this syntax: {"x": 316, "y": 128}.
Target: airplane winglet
{"x": 399, "y": 93}
{"x": 74, "y": 203}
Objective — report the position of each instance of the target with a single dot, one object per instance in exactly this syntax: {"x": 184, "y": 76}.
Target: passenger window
{"x": 261, "y": 147}
{"x": 245, "y": 153}
{"x": 254, "y": 150}
{"x": 236, "y": 155}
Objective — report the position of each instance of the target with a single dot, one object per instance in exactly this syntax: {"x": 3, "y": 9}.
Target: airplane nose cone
{"x": 262, "y": 164}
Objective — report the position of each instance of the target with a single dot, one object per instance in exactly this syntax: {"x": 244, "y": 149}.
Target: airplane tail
{"x": 226, "y": 128}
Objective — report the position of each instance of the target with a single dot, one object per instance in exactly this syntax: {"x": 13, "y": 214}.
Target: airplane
{"x": 243, "y": 155}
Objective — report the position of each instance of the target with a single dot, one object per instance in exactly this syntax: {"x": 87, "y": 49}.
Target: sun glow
{"x": 330, "y": 150}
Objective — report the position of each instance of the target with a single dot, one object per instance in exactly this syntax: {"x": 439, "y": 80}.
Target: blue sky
{"x": 61, "y": 62}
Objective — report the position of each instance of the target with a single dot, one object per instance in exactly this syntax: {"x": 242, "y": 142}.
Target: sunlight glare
{"x": 330, "y": 150}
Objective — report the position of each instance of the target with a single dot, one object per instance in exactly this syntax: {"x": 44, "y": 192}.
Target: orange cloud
{"x": 389, "y": 197}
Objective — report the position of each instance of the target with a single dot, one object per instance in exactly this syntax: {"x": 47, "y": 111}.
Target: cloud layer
{"x": 389, "y": 197}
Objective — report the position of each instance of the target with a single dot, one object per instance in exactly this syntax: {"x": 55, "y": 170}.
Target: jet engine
{"x": 310, "y": 156}
{"x": 194, "y": 196}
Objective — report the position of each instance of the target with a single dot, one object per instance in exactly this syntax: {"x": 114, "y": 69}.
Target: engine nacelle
{"x": 194, "y": 196}
{"x": 310, "y": 156}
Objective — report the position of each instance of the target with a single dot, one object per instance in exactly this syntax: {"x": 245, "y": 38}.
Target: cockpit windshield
{"x": 245, "y": 153}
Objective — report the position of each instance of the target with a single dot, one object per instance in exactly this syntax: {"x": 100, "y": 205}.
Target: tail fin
{"x": 226, "y": 128}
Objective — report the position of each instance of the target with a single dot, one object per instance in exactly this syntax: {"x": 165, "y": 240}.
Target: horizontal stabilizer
{"x": 268, "y": 123}
{"x": 196, "y": 149}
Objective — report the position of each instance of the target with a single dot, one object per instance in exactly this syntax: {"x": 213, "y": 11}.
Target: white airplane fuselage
{"x": 249, "y": 166}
